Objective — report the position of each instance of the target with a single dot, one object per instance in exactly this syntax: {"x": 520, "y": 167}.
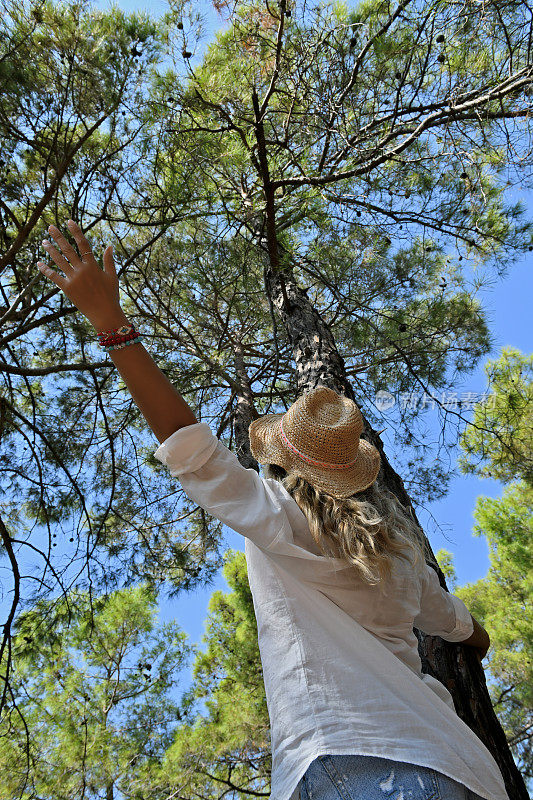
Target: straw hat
{"x": 318, "y": 439}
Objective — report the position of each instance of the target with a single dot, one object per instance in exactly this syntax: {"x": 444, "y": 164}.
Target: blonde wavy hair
{"x": 366, "y": 529}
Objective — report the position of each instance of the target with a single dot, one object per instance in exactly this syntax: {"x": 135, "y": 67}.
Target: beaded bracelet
{"x": 114, "y": 339}
{"x": 124, "y": 344}
{"x": 117, "y": 338}
{"x": 116, "y": 333}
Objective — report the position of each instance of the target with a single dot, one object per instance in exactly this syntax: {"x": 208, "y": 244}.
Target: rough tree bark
{"x": 243, "y": 412}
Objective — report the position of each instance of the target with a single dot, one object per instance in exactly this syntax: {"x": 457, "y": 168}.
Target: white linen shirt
{"x": 340, "y": 659}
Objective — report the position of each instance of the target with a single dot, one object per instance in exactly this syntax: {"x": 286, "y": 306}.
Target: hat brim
{"x": 262, "y": 431}
{"x": 268, "y": 447}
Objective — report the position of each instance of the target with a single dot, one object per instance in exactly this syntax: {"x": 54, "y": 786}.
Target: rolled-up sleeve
{"x": 442, "y": 613}
{"x": 212, "y": 476}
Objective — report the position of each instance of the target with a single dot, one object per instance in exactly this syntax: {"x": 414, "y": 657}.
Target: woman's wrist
{"x": 109, "y": 321}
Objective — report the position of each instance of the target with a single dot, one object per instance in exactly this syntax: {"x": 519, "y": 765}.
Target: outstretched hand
{"x": 94, "y": 292}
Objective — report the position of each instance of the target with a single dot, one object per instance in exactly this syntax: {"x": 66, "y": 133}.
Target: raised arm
{"x": 95, "y": 293}
{"x": 209, "y": 472}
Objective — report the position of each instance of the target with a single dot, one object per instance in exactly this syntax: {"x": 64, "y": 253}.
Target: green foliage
{"x": 500, "y": 438}
{"x": 74, "y": 82}
{"x": 499, "y": 441}
{"x": 92, "y": 707}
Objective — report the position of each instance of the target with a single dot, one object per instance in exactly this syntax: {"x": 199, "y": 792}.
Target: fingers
{"x": 109, "y": 264}
{"x": 56, "y": 256}
{"x": 49, "y": 272}
{"x": 81, "y": 241}
{"x": 70, "y": 252}
{"x": 65, "y": 246}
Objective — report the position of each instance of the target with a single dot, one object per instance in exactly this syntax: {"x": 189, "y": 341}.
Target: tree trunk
{"x": 243, "y": 413}
{"x": 319, "y": 363}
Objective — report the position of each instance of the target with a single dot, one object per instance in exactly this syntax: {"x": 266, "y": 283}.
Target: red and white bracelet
{"x": 117, "y": 338}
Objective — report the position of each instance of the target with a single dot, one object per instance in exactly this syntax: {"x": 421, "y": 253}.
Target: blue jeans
{"x": 356, "y": 777}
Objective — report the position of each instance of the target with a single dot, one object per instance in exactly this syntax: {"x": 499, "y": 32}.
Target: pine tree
{"x": 254, "y": 201}
{"x": 92, "y": 710}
